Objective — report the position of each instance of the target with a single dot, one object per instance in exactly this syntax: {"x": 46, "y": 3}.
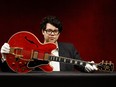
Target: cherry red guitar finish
{"x": 23, "y": 44}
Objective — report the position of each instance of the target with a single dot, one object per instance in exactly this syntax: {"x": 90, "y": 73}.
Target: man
{"x": 51, "y": 29}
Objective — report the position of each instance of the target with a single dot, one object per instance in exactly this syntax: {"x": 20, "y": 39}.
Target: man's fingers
{"x": 88, "y": 67}
{"x": 5, "y": 48}
{"x": 95, "y": 67}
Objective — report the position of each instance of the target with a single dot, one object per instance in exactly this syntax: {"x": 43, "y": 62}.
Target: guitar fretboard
{"x": 66, "y": 60}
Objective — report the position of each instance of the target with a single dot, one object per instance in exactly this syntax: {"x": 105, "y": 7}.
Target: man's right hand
{"x": 4, "y": 49}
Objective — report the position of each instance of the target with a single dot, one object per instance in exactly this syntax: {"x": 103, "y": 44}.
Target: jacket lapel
{"x": 61, "y": 53}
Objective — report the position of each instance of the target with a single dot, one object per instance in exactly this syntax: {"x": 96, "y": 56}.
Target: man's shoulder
{"x": 66, "y": 44}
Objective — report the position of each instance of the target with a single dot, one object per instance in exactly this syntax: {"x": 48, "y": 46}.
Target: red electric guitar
{"x": 27, "y": 53}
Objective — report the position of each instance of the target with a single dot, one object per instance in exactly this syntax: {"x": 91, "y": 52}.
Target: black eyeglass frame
{"x": 48, "y": 31}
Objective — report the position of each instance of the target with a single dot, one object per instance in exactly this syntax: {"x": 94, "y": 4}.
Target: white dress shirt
{"x": 55, "y": 64}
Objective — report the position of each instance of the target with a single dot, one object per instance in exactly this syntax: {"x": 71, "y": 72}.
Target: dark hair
{"x": 52, "y": 20}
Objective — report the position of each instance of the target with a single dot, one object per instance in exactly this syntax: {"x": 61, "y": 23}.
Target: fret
{"x": 49, "y": 58}
{"x": 64, "y": 60}
{"x": 75, "y": 62}
{"x": 56, "y": 58}
{"x": 70, "y": 61}
{"x": 81, "y": 63}
{"x": 59, "y": 59}
{"x": 78, "y": 62}
{"x": 53, "y": 58}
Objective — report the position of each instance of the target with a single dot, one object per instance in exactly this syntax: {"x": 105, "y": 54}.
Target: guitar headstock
{"x": 105, "y": 66}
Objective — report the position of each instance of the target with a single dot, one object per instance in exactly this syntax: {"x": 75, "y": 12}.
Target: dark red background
{"x": 89, "y": 24}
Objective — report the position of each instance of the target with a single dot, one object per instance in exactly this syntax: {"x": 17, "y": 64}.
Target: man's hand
{"x": 4, "y": 49}
{"x": 90, "y": 67}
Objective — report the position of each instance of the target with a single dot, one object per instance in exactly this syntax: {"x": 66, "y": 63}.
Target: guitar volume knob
{"x": 13, "y": 63}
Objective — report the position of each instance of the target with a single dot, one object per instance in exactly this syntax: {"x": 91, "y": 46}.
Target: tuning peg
{"x": 110, "y": 62}
{"x": 102, "y": 61}
{"x": 106, "y": 62}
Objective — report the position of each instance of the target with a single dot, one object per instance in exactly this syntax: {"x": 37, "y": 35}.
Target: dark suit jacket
{"x": 69, "y": 51}
{"x": 65, "y": 50}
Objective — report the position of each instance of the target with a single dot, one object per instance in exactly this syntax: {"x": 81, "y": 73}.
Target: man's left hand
{"x": 90, "y": 67}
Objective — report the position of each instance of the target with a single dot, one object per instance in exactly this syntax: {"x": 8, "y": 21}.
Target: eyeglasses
{"x": 48, "y": 31}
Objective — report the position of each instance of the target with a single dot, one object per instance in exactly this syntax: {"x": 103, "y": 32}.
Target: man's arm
{"x": 84, "y": 66}
{"x": 5, "y": 49}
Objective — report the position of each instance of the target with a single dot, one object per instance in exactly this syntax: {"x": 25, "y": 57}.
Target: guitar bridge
{"x": 16, "y": 51}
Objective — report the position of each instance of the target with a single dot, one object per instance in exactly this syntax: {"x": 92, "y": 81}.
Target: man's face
{"x": 51, "y": 33}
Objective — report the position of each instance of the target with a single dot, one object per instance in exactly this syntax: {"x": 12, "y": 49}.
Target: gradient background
{"x": 89, "y": 24}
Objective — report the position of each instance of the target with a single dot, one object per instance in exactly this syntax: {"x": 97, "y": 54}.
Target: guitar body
{"x": 24, "y": 43}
